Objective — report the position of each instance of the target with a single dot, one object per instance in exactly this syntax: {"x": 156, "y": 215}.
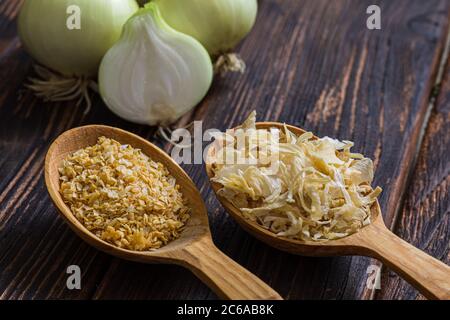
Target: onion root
{"x": 51, "y": 86}
{"x": 229, "y": 62}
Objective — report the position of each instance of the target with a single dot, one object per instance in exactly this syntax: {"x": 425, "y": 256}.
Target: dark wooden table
{"x": 310, "y": 63}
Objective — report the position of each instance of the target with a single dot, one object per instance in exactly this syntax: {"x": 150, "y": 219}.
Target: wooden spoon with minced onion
{"x": 194, "y": 249}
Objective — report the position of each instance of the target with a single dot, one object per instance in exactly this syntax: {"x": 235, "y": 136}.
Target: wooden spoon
{"x": 194, "y": 249}
{"x": 429, "y": 275}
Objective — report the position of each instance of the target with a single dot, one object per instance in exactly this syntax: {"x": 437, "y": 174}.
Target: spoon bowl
{"x": 194, "y": 249}
{"x": 427, "y": 274}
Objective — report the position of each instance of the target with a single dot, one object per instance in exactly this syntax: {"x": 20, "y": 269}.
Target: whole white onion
{"x": 218, "y": 24}
{"x": 44, "y": 32}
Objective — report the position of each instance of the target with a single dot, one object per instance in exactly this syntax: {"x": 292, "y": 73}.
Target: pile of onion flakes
{"x": 298, "y": 187}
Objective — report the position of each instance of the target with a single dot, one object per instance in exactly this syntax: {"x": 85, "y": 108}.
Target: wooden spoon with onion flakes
{"x": 194, "y": 249}
{"x": 429, "y": 275}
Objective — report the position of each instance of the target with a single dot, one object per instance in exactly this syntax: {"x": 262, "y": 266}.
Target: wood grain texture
{"x": 8, "y": 12}
{"x": 311, "y": 63}
{"x": 425, "y": 219}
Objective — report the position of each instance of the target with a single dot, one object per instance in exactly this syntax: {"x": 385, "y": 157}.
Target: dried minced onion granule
{"x": 122, "y": 196}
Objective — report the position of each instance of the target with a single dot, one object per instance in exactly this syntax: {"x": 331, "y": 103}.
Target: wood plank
{"x": 344, "y": 81}
{"x": 322, "y": 70}
{"x": 425, "y": 219}
{"x": 8, "y": 30}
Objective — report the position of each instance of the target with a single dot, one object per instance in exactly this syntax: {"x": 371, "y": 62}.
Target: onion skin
{"x": 219, "y": 25}
{"x": 44, "y": 33}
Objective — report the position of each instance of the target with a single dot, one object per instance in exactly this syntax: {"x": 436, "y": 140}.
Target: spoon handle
{"x": 224, "y": 276}
{"x": 427, "y": 274}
